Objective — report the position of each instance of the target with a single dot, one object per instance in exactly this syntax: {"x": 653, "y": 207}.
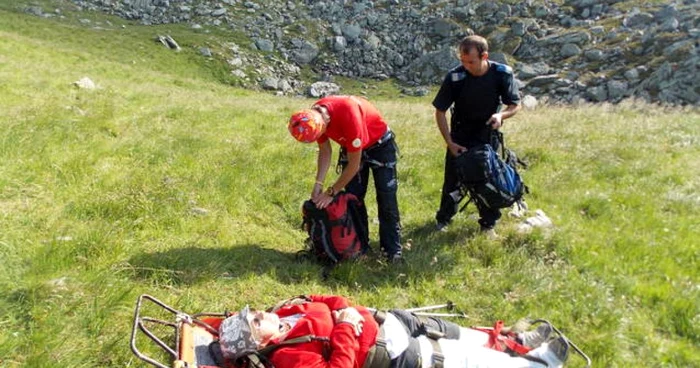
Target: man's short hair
{"x": 474, "y": 42}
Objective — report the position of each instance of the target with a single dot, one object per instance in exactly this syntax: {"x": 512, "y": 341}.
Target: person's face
{"x": 265, "y": 326}
{"x": 472, "y": 61}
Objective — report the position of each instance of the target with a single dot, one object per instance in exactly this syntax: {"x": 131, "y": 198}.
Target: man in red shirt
{"x": 366, "y": 144}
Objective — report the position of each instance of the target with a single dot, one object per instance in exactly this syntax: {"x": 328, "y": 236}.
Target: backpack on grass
{"x": 491, "y": 180}
{"x": 335, "y": 232}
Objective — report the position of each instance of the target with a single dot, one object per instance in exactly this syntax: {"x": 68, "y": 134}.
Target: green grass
{"x": 101, "y": 191}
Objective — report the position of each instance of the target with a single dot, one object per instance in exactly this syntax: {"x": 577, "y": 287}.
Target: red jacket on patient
{"x": 347, "y": 350}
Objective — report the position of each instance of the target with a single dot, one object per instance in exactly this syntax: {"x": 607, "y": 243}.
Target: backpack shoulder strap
{"x": 362, "y": 233}
{"x": 295, "y": 300}
{"x": 266, "y": 351}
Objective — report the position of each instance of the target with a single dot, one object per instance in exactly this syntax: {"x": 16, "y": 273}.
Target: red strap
{"x": 500, "y": 342}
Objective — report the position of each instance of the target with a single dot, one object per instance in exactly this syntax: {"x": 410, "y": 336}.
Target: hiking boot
{"x": 396, "y": 259}
{"x": 533, "y": 339}
{"x": 441, "y": 226}
{"x": 553, "y": 353}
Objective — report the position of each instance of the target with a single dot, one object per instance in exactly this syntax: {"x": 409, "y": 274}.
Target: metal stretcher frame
{"x": 182, "y": 328}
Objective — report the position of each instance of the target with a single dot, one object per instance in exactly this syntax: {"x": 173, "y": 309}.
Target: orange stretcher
{"x": 190, "y": 335}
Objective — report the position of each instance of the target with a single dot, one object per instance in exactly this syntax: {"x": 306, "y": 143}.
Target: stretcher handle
{"x": 139, "y": 325}
{"x": 576, "y": 348}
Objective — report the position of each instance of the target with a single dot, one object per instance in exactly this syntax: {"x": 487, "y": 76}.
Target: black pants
{"x": 451, "y": 195}
{"x": 381, "y": 160}
{"x": 415, "y": 327}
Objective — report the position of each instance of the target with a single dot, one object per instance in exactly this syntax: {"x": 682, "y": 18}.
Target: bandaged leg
{"x": 468, "y": 353}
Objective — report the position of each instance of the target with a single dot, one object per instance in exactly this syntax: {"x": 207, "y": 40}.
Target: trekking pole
{"x": 449, "y": 305}
{"x": 423, "y": 314}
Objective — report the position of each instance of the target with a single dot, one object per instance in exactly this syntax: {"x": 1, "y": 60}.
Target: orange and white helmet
{"x": 306, "y": 125}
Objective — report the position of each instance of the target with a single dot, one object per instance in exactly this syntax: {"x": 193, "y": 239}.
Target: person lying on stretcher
{"x": 339, "y": 335}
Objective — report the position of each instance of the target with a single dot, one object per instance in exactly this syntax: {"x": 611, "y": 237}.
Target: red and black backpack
{"x": 335, "y": 232}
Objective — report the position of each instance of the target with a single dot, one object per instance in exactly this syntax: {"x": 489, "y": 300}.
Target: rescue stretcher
{"x": 186, "y": 343}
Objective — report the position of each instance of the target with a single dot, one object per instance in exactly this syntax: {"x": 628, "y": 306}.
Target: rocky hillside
{"x": 562, "y": 51}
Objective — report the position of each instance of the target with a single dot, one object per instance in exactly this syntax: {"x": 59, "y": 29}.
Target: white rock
{"x": 85, "y": 83}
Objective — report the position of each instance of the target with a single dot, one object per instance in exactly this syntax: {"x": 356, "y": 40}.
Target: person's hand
{"x": 318, "y": 188}
{"x": 322, "y": 200}
{"x": 352, "y": 316}
{"x": 496, "y": 121}
{"x": 456, "y": 149}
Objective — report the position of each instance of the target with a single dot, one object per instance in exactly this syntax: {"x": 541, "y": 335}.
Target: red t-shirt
{"x": 347, "y": 350}
{"x": 355, "y": 123}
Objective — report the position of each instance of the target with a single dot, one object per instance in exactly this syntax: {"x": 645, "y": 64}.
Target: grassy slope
{"x": 99, "y": 190}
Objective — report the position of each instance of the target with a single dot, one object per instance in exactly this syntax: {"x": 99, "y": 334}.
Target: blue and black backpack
{"x": 490, "y": 180}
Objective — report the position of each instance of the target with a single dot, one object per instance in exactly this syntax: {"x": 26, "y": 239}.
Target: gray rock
{"x": 284, "y": 86}
{"x": 681, "y": 48}
{"x": 339, "y": 43}
{"x": 322, "y": 89}
{"x": 85, "y": 83}
{"x": 238, "y": 73}
{"x": 218, "y": 12}
{"x": 199, "y": 211}
{"x": 597, "y": 10}
{"x": 617, "y": 90}
{"x": 418, "y": 91}
{"x": 529, "y": 102}
{"x": 443, "y": 27}
{"x": 34, "y": 10}
{"x": 351, "y": 32}
{"x": 168, "y": 42}
{"x": 498, "y": 57}
{"x": 527, "y": 71}
{"x": 305, "y": 53}
{"x": 563, "y": 82}
{"x": 668, "y": 11}
{"x": 569, "y": 49}
{"x": 205, "y": 51}
{"x": 597, "y": 30}
{"x": 542, "y": 80}
{"x": 632, "y": 75}
{"x": 594, "y": 55}
{"x": 372, "y": 42}
{"x": 541, "y": 12}
{"x": 638, "y": 20}
{"x": 586, "y": 13}
{"x": 264, "y": 45}
{"x": 669, "y": 25}
{"x": 597, "y": 93}
{"x": 518, "y": 28}
{"x": 421, "y": 91}
{"x": 432, "y": 66}
{"x": 578, "y": 38}
{"x": 571, "y": 75}
{"x": 270, "y": 83}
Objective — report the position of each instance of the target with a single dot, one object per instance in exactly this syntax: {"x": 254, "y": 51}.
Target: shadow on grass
{"x": 193, "y": 265}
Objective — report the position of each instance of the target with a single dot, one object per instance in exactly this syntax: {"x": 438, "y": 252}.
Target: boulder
{"x": 322, "y": 89}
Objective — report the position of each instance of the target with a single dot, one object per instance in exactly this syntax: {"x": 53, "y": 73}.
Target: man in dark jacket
{"x": 476, "y": 90}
